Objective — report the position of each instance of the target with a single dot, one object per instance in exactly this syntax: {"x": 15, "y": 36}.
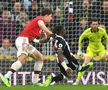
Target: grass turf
{"x": 57, "y": 87}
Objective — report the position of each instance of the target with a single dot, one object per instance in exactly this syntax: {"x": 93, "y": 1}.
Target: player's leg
{"x": 38, "y": 63}
{"x": 51, "y": 79}
{"x": 21, "y": 54}
{"x": 81, "y": 72}
{"x": 86, "y": 65}
{"x": 14, "y": 67}
{"x": 104, "y": 55}
{"x": 56, "y": 78}
{"x": 88, "y": 56}
{"x": 73, "y": 63}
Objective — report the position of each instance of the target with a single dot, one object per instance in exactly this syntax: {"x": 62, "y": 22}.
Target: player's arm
{"x": 59, "y": 49}
{"x": 81, "y": 38}
{"x": 44, "y": 39}
{"x": 83, "y": 35}
{"x": 44, "y": 28}
{"x": 106, "y": 37}
{"x": 63, "y": 63}
{"x": 61, "y": 56}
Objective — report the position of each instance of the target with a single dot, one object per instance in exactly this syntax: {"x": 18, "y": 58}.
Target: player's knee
{"x": 25, "y": 47}
{"x": 19, "y": 53}
{"x": 106, "y": 58}
{"x": 22, "y": 58}
{"x": 41, "y": 58}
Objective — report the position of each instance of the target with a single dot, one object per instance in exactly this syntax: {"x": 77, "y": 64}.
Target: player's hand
{"x": 69, "y": 71}
{"x": 79, "y": 53}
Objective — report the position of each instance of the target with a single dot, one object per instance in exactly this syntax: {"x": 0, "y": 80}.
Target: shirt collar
{"x": 94, "y": 31}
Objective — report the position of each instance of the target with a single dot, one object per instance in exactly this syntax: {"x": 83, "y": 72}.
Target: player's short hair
{"x": 94, "y": 20}
{"x": 46, "y": 11}
{"x": 58, "y": 29}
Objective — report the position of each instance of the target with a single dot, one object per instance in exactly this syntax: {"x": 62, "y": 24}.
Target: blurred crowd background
{"x": 74, "y": 15}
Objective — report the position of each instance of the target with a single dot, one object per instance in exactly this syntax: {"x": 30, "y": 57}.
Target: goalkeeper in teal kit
{"x": 94, "y": 34}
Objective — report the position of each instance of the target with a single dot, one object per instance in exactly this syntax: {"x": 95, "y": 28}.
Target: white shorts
{"x": 23, "y": 46}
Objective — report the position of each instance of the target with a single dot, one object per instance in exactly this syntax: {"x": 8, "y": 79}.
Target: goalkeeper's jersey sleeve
{"x": 94, "y": 37}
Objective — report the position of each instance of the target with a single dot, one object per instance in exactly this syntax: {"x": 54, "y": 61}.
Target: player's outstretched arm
{"x": 44, "y": 28}
{"x": 79, "y": 53}
{"x": 83, "y": 36}
{"x": 44, "y": 39}
{"x": 106, "y": 37}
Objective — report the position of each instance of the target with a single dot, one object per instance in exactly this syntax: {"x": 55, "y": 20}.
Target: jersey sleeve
{"x": 105, "y": 36}
{"x": 82, "y": 37}
{"x": 60, "y": 45}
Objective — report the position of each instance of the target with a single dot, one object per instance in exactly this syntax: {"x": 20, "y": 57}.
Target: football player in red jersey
{"x": 33, "y": 30}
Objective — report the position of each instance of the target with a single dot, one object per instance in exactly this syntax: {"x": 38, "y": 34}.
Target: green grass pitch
{"x": 57, "y": 87}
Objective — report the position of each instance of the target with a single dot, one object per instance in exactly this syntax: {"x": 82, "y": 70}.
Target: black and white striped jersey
{"x": 59, "y": 43}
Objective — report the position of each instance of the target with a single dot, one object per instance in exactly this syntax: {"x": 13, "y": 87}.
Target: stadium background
{"x": 75, "y": 15}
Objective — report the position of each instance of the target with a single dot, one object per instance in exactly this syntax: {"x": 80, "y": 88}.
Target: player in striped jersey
{"x": 65, "y": 59}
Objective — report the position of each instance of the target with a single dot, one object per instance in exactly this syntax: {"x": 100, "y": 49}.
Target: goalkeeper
{"x": 95, "y": 35}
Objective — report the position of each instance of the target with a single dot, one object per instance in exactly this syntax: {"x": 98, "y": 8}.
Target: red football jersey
{"x": 32, "y": 30}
